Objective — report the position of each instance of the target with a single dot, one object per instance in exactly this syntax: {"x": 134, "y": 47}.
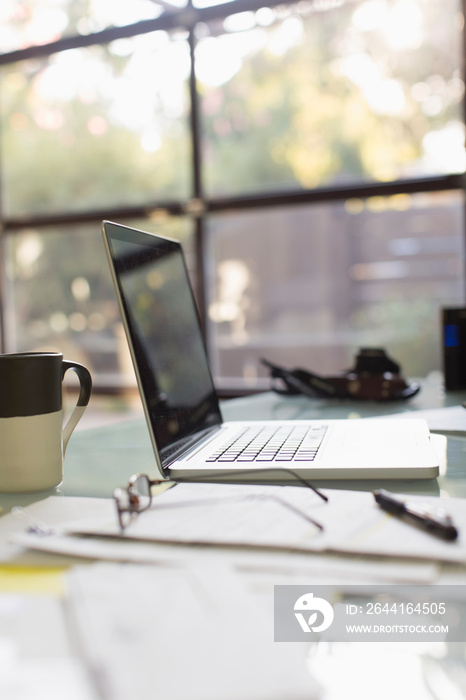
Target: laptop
{"x": 189, "y": 437}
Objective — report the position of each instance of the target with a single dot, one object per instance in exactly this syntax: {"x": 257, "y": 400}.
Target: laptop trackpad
{"x": 371, "y": 446}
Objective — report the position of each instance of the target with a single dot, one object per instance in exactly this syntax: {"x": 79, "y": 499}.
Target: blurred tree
{"x": 336, "y": 103}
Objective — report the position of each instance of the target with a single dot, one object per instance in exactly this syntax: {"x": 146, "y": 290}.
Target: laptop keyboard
{"x": 272, "y": 444}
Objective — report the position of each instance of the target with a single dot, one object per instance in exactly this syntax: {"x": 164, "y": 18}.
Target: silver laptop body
{"x": 189, "y": 438}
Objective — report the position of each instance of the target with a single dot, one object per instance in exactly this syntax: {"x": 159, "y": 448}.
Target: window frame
{"x": 198, "y": 206}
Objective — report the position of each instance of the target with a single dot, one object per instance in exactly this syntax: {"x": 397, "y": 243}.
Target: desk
{"x": 101, "y": 458}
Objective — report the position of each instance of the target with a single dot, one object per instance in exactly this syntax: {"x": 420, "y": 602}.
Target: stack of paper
{"x": 281, "y": 517}
{"x": 194, "y": 634}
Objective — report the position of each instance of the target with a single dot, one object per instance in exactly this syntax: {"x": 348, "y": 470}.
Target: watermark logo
{"x": 385, "y": 613}
{"x": 309, "y": 608}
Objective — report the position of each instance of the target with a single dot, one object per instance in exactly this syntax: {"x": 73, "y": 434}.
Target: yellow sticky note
{"x": 47, "y": 580}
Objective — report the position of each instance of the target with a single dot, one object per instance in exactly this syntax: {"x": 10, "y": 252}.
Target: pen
{"x": 435, "y": 522}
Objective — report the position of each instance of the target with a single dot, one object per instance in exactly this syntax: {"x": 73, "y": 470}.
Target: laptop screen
{"x": 165, "y": 338}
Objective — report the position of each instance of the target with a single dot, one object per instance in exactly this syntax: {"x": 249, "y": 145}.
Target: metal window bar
{"x": 198, "y": 206}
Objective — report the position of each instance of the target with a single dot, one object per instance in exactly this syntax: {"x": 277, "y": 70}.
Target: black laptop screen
{"x": 167, "y": 344}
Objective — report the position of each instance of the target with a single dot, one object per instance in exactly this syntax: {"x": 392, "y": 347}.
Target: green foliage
{"x": 315, "y": 100}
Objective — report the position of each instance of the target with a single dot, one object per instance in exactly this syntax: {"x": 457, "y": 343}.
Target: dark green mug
{"x": 33, "y": 439}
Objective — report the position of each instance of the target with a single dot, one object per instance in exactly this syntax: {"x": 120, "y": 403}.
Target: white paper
{"x": 252, "y": 516}
{"x": 45, "y": 679}
{"x": 36, "y": 658}
{"x": 278, "y": 566}
{"x": 448, "y": 420}
{"x": 190, "y": 635}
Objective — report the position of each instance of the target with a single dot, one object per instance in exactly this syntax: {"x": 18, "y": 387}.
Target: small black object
{"x": 375, "y": 377}
{"x": 454, "y": 348}
{"x": 300, "y": 381}
{"x": 434, "y": 522}
{"x": 375, "y": 361}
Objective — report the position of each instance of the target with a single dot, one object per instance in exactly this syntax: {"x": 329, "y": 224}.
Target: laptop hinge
{"x": 183, "y": 447}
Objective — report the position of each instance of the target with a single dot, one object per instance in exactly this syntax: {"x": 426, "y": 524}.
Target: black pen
{"x": 435, "y": 522}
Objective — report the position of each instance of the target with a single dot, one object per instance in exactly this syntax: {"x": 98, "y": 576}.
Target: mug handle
{"x": 85, "y": 383}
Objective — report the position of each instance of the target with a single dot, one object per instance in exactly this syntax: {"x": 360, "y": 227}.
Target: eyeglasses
{"x": 134, "y": 499}
{"x": 137, "y": 496}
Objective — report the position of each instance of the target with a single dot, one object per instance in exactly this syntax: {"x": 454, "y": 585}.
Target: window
{"x": 310, "y": 156}
{"x": 358, "y": 273}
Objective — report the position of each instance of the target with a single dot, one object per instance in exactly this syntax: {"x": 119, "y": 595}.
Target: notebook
{"x": 189, "y": 437}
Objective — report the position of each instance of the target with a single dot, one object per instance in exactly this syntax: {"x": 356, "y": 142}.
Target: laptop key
{"x": 280, "y": 445}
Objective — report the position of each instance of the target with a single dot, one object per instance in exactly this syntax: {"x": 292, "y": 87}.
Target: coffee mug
{"x": 33, "y": 440}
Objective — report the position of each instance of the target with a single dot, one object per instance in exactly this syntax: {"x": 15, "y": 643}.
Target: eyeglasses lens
{"x": 140, "y": 493}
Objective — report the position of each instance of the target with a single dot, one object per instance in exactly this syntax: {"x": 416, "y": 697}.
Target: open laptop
{"x": 189, "y": 438}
